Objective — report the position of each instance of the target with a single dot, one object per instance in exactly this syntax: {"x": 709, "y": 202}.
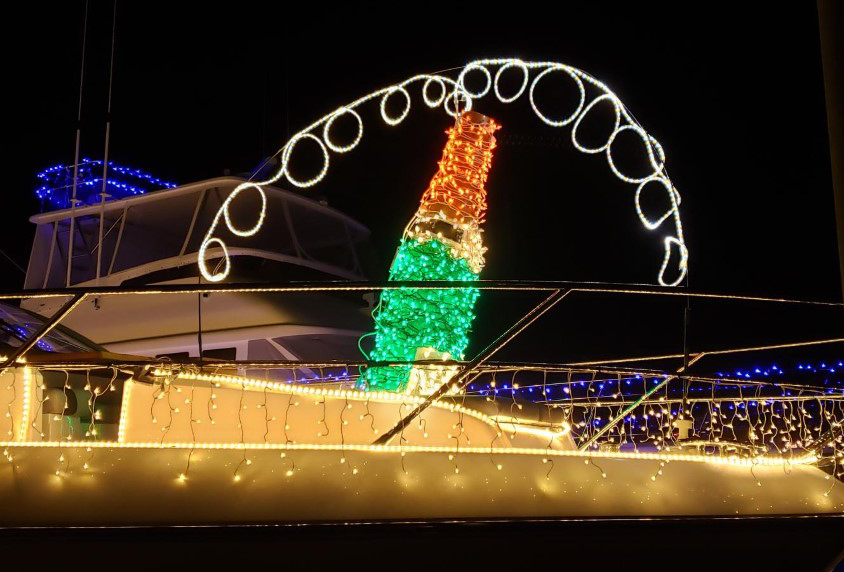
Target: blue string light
{"x": 121, "y": 182}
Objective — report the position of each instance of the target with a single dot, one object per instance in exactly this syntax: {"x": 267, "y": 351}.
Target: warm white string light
{"x": 789, "y": 432}
{"x": 455, "y": 97}
{"x": 27, "y": 388}
{"x": 772, "y": 461}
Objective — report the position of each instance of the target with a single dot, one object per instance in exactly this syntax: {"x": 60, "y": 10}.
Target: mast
{"x": 103, "y": 193}
{"x": 76, "y": 152}
{"x": 830, "y": 17}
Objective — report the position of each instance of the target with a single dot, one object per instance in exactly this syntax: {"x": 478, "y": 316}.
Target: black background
{"x": 734, "y": 94}
{"x": 733, "y": 91}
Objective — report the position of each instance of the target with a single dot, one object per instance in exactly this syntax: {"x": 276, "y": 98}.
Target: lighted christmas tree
{"x": 442, "y": 242}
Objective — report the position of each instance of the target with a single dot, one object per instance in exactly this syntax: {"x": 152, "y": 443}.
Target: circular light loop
{"x": 395, "y": 120}
{"x": 461, "y": 80}
{"x": 657, "y": 166}
{"x": 574, "y": 76}
{"x": 203, "y": 267}
{"x": 457, "y": 97}
{"x": 616, "y": 109}
{"x": 327, "y": 128}
{"x": 232, "y": 197}
{"x": 525, "y": 73}
{"x": 433, "y": 102}
{"x": 288, "y": 150}
{"x": 683, "y": 264}
{"x": 672, "y": 195}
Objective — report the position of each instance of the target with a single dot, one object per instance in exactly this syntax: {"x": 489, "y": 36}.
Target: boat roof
{"x": 167, "y": 194}
{"x": 157, "y": 236}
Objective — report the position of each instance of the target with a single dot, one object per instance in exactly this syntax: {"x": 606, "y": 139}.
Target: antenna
{"x": 76, "y": 153}
{"x": 103, "y": 193}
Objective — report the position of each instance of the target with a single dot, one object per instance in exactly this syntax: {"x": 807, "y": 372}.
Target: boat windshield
{"x": 17, "y": 325}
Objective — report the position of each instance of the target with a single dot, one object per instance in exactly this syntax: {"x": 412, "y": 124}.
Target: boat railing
{"x": 610, "y": 403}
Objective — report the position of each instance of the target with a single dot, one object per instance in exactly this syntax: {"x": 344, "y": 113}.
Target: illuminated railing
{"x": 540, "y": 409}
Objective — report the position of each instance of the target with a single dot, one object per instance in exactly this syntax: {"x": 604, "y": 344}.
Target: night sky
{"x": 735, "y": 97}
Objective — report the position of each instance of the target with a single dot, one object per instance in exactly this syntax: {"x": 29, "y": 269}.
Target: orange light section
{"x": 457, "y": 190}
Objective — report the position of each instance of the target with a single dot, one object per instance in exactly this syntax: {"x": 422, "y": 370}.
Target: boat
{"x": 169, "y": 364}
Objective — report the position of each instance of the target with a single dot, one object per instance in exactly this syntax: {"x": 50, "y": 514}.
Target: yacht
{"x": 154, "y": 374}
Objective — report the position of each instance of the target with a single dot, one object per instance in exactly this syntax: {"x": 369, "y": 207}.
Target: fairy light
{"x": 397, "y": 119}
{"x": 128, "y": 385}
{"x": 456, "y": 98}
{"x": 782, "y": 424}
{"x": 27, "y": 383}
{"x": 327, "y": 129}
{"x": 57, "y": 181}
{"x": 40, "y": 396}
{"x": 791, "y": 419}
{"x": 441, "y": 242}
{"x": 353, "y": 395}
{"x": 538, "y": 452}
{"x": 9, "y": 414}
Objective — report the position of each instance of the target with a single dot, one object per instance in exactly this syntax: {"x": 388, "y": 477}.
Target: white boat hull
{"x": 141, "y": 486}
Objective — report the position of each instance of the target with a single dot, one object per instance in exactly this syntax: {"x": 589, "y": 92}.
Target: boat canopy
{"x": 155, "y": 237}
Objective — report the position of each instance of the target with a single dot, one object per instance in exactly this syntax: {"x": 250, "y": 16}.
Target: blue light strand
{"x": 58, "y": 182}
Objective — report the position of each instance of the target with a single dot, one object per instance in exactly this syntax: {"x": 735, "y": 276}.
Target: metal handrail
{"x": 353, "y": 286}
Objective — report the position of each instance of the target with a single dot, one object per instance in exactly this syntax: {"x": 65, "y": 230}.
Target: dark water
{"x": 793, "y": 544}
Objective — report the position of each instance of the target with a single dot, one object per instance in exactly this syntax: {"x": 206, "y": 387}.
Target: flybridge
{"x": 155, "y": 236}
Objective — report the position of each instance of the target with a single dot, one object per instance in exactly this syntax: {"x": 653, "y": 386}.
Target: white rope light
{"x": 339, "y": 113}
{"x": 651, "y": 224}
{"x": 616, "y": 104}
{"x": 395, "y": 120}
{"x": 461, "y": 80}
{"x": 285, "y": 157}
{"x": 525, "y": 75}
{"x": 580, "y": 88}
{"x": 434, "y": 102}
{"x": 807, "y": 459}
{"x": 455, "y": 97}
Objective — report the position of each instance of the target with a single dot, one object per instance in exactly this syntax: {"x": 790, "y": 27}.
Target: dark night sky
{"x": 735, "y": 97}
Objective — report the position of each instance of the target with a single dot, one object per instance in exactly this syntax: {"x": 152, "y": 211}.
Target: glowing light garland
{"x": 407, "y": 320}
{"x": 396, "y": 449}
{"x": 27, "y": 398}
{"x": 442, "y": 242}
{"x": 58, "y": 182}
{"x": 755, "y": 417}
{"x": 455, "y": 98}
{"x": 779, "y": 436}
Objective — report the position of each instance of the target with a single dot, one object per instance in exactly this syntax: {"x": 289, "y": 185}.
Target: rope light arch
{"x": 455, "y": 97}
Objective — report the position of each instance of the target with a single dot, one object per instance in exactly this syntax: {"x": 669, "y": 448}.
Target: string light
{"x": 790, "y": 415}
{"x": 124, "y": 410}
{"x": 324, "y": 392}
{"x": 441, "y": 242}
{"x": 27, "y": 389}
{"x": 806, "y": 459}
{"x": 58, "y": 181}
{"x": 456, "y": 98}
{"x": 9, "y": 414}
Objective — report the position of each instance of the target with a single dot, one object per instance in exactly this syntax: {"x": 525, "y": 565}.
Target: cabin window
{"x": 226, "y": 354}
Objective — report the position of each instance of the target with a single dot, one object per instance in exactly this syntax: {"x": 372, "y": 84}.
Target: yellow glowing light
{"x": 27, "y": 383}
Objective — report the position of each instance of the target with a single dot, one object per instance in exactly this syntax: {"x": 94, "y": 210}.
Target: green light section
{"x": 409, "y": 318}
